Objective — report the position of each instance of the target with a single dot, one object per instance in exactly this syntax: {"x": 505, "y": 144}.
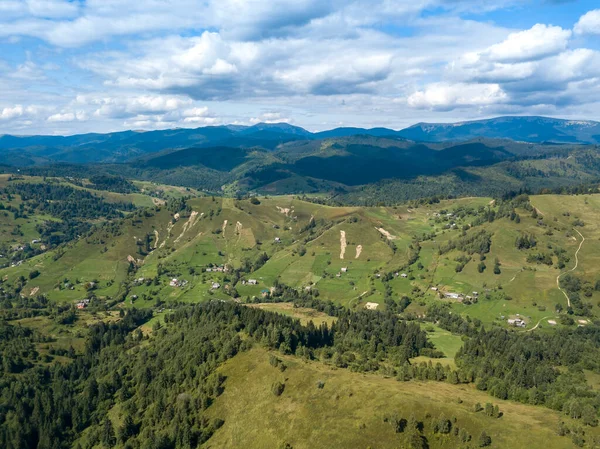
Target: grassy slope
{"x": 349, "y": 410}
{"x": 251, "y": 229}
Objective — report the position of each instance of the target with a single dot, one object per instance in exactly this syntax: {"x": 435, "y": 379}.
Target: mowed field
{"x": 349, "y": 410}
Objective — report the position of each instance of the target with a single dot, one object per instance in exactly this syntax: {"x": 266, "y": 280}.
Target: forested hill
{"x": 350, "y": 165}
{"x": 123, "y": 146}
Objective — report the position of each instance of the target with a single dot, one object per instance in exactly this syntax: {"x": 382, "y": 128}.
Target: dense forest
{"x": 74, "y": 208}
{"x": 164, "y": 382}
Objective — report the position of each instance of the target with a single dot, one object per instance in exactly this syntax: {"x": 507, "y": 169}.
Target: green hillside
{"x": 359, "y": 410}
{"x": 349, "y": 255}
{"x": 392, "y": 323}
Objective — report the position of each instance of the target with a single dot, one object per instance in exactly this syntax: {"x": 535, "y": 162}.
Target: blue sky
{"x": 73, "y": 66}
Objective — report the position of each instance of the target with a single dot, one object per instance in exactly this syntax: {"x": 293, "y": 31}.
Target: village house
{"x": 83, "y": 304}
{"x": 453, "y": 295}
{"x": 371, "y": 306}
{"x": 178, "y": 283}
{"x": 404, "y": 275}
{"x": 277, "y": 240}
{"x": 252, "y": 282}
{"x": 517, "y": 322}
{"x": 344, "y": 269}
{"x": 215, "y": 285}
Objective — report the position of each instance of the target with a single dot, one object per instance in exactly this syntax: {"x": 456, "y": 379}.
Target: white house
{"x": 404, "y": 275}
{"x": 517, "y": 322}
{"x": 344, "y": 269}
{"x": 453, "y": 295}
{"x": 215, "y": 285}
{"x": 252, "y": 282}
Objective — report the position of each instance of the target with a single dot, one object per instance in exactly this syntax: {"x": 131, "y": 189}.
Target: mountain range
{"x": 127, "y": 145}
{"x": 359, "y": 165}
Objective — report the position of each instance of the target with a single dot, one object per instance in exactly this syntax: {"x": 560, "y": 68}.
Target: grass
{"x": 229, "y": 231}
{"x": 305, "y": 315}
{"x": 349, "y": 410}
{"x": 444, "y": 340}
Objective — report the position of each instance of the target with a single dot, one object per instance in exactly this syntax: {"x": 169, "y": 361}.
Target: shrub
{"x": 277, "y": 388}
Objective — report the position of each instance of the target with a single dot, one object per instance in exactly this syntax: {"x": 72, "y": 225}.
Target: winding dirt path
{"x": 572, "y": 269}
{"x": 538, "y": 323}
{"x": 155, "y": 239}
{"x": 342, "y": 244}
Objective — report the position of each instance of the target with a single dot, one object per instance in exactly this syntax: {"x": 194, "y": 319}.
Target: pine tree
{"x": 108, "y": 434}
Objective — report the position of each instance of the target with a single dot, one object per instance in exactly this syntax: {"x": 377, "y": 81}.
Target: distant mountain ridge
{"x": 126, "y": 146}
{"x": 526, "y": 129}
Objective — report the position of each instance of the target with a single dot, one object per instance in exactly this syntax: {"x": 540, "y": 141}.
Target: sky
{"x": 77, "y": 66}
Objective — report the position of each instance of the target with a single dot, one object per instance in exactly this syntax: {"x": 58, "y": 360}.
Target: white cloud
{"x": 128, "y": 106}
{"x": 348, "y": 72}
{"x": 189, "y": 63}
{"x": 531, "y": 67}
{"x": 445, "y": 96}
{"x": 538, "y": 42}
{"x": 589, "y": 23}
{"x": 68, "y": 116}
{"x": 18, "y": 111}
{"x": 10, "y": 113}
{"x": 270, "y": 117}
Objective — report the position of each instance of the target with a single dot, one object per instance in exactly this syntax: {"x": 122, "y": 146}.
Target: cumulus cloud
{"x": 531, "y": 67}
{"x": 86, "y": 21}
{"x": 270, "y": 117}
{"x": 128, "y": 106}
{"x": 18, "y": 111}
{"x": 114, "y": 64}
{"x": 68, "y": 116}
{"x": 589, "y": 23}
{"x": 538, "y": 42}
{"x": 445, "y": 96}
